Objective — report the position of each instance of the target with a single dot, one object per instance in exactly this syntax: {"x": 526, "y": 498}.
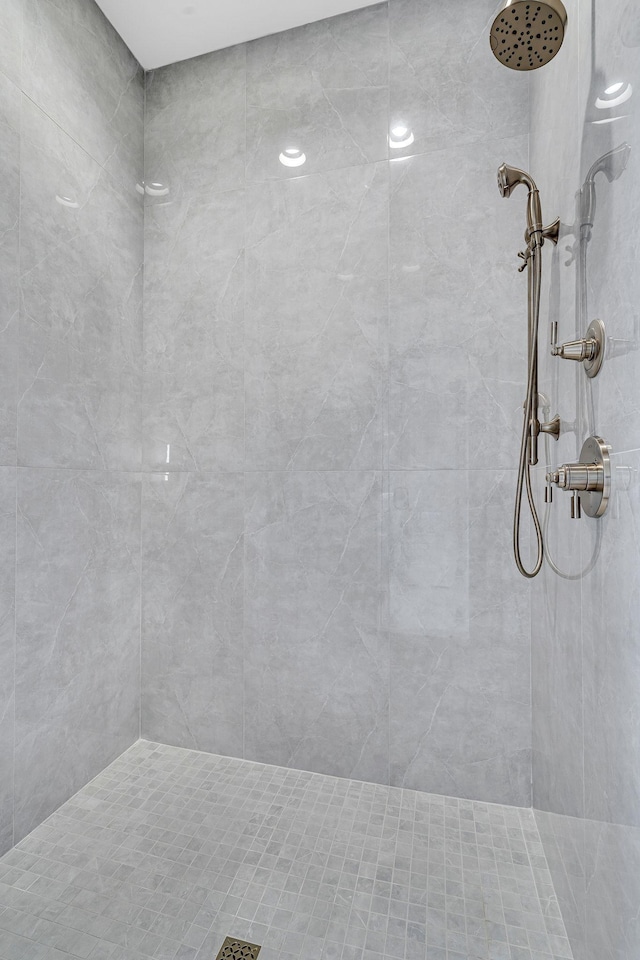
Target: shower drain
{"x": 234, "y": 949}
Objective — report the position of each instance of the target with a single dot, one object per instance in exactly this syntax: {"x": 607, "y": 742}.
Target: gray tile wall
{"x": 332, "y": 374}
{"x": 586, "y": 643}
{"x": 71, "y": 118}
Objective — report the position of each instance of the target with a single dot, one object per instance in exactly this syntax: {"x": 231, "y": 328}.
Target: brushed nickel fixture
{"x": 526, "y": 35}
{"x": 587, "y": 567}
{"x": 589, "y": 481}
{"x": 589, "y": 351}
{"x": 535, "y": 235}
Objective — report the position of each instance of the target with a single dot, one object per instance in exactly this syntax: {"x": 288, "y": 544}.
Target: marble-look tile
{"x": 612, "y": 279}
{"x": 460, "y": 713}
{"x": 595, "y": 868}
{"x": 556, "y": 659}
{"x": 457, "y": 330}
{"x": 79, "y": 71}
{"x": 586, "y": 661}
{"x": 9, "y": 264}
{"x": 77, "y": 632}
{"x": 11, "y": 12}
{"x": 557, "y": 615}
{"x": 611, "y": 666}
{"x": 7, "y": 650}
{"x": 316, "y": 670}
{"x": 429, "y": 553}
{"x": 316, "y": 320}
{"x": 79, "y": 380}
{"x": 445, "y": 85}
{"x": 193, "y": 334}
{"x": 308, "y": 866}
{"x": 612, "y": 891}
{"x": 192, "y": 586}
{"x": 195, "y": 126}
{"x": 563, "y": 840}
{"x": 323, "y": 89}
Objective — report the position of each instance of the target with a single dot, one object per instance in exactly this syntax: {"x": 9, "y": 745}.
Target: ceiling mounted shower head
{"x": 527, "y": 34}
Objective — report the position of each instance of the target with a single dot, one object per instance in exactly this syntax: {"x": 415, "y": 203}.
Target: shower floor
{"x": 170, "y": 851}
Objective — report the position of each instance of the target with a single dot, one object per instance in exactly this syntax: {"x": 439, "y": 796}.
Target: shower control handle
{"x": 579, "y": 350}
{"x": 589, "y": 480}
{"x": 577, "y": 476}
{"x": 576, "y": 511}
{"x": 588, "y": 351}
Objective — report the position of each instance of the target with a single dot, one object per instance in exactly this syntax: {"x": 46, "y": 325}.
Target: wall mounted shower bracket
{"x": 589, "y": 480}
{"x": 552, "y": 232}
{"x": 589, "y": 351}
{"x": 551, "y": 427}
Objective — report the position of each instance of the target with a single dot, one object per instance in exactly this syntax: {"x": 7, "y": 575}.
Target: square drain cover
{"x": 233, "y": 949}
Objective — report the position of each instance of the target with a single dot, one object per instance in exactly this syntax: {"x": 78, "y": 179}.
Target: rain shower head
{"x": 527, "y": 34}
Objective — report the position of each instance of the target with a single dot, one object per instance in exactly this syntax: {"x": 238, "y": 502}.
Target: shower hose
{"x": 530, "y": 420}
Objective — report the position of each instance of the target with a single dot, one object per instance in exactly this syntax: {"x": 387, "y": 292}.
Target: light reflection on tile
{"x": 322, "y": 88}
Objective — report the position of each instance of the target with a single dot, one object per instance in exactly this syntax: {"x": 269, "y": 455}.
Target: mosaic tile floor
{"x": 170, "y": 851}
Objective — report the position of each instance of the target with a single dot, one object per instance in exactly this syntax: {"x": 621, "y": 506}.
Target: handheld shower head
{"x": 527, "y": 34}
{"x": 508, "y": 179}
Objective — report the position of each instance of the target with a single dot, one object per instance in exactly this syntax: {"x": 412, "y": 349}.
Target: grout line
{"x": 243, "y": 647}
{"x": 142, "y": 391}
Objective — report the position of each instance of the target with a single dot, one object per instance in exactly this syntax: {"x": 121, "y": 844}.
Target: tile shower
{"x": 248, "y": 508}
{"x": 296, "y": 329}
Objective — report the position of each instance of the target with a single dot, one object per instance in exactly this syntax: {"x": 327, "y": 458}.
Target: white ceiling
{"x": 164, "y": 31}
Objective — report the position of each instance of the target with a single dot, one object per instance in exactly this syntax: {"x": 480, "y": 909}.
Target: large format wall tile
{"x": 316, "y": 319}
{"x": 81, "y": 322}
{"x": 556, "y": 656}
{"x": 7, "y": 650}
{"x": 322, "y": 89}
{"x": 612, "y": 891}
{"x": 595, "y": 867}
{"x": 445, "y": 86}
{"x": 459, "y": 648}
{"x": 71, "y": 255}
{"x": 586, "y": 652}
{"x": 78, "y": 632}
{"x": 457, "y": 330}
{"x": 563, "y": 840}
{"x": 9, "y": 264}
{"x": 611, "y": 659}
{"x": 194, "y": 336}
{"x": 11, "y": 39}
{"x": 195, "y": 126}
{"x": 79, "y": 71}
{"x": 613, "y": 280}
{"x": 318, "y": 402}
{"x": 192, "y": 611}
{"x": 429, "y": 553}
{"x": 316, "y": 672}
